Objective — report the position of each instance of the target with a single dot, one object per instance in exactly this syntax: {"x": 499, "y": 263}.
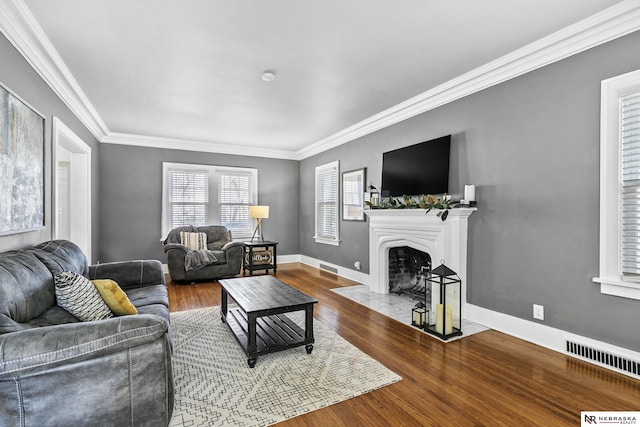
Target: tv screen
{"x": 417, "y": 169}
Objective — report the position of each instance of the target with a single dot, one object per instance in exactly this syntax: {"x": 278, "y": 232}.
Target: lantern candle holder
{"x": 445, "y": 303}
{"x": 419, "y": 315}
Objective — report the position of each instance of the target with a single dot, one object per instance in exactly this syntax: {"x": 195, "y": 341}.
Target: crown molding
{"x": 609, "y": 24}
{"x": 23, "y": 31}
{"x": 20, "y": 27}
{"x": 191, "y": 145}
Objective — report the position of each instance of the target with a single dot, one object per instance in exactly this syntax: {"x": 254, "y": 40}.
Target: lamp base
{"x": 258, "y": 227}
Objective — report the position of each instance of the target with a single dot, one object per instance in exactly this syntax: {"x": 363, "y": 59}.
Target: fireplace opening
{"x": 407, "y": 269}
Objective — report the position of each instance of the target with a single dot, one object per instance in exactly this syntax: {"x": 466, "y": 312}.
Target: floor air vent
{"x": 607, "y": 359}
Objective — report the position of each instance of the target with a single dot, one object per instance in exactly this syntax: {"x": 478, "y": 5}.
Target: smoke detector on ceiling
{"x": 268, "y": 76}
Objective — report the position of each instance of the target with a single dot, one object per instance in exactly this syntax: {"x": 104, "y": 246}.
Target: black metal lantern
{"x": 446, "y": 303}
{"x": 374, "y": 195}
{"x": 419, "y": 315}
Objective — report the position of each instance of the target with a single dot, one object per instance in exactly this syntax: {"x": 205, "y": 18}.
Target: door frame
{"x": 64, "y": 137}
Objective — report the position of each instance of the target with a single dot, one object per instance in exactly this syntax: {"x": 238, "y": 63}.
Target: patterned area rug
{"x": 215, "y": 386}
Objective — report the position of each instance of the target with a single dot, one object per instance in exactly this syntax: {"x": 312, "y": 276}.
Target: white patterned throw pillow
{"x": 76, "y": 294}
{"x": 193, "y": 241}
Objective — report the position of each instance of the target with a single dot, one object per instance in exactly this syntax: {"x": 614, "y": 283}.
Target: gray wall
{"x": 531, "y": 146}
{"x": 131, "y": 198}
{"x": 17, "y": 75}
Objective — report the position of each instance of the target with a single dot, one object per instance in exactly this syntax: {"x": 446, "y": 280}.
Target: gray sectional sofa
{"x": 58, "y": 371}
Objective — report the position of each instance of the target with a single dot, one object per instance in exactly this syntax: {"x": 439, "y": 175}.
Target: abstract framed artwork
{"x": 21, "y": 165}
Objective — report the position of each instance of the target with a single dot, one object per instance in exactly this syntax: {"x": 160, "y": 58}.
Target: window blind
{"x": 188, "y": 197}
{"x": 234, "y": 197}
{"x": 327, "y": 203}
{"x": 630, "y": 184}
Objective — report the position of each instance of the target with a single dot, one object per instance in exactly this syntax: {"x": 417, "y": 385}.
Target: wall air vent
{"x": 329, "y": 268}
{"x": 604, "y": 358}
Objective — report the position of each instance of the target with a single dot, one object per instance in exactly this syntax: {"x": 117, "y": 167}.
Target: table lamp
{"x": 258, "y": 212}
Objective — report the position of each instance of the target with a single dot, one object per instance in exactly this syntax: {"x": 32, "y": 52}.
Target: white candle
{"x": 447, "y": 328}
{"x": 470, "y": 193}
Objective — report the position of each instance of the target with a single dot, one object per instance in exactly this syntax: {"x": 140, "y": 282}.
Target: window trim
{"x": 610, "y": 274}
{"x": 213, "y": 213}
{"x": 335, "y": 165}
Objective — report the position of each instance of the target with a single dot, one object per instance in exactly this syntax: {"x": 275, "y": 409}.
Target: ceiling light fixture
{"x": 268, "y": 76}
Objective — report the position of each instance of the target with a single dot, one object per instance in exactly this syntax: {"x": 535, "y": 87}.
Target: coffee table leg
{"x": 308, "y": 328}
{"x": 223, "y": 295}
{"x": 252, "y": 348}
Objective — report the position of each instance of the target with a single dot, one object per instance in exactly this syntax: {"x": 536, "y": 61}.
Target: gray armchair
{"x": 226, "y": 255}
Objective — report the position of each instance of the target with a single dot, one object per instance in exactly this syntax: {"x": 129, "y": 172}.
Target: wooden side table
{"x": 260, "y": 255}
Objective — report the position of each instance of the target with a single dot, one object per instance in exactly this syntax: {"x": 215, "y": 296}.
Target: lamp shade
{"x": 259, "y": 211}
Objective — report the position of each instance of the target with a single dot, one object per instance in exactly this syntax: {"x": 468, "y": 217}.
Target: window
{"x": 234, "y": 197}
{"x": 620, "y": 186}
{"x": 203, "y": 194}
{"x": 188, "y": 197}
{"x": 327, "y": 203}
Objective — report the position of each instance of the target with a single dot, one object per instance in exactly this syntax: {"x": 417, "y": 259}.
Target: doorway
{"x": 72, "y": 188}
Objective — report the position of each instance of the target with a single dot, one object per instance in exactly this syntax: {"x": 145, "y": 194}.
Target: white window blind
{"x": 630, "y": 184}
{"x": 234, "y": 197}
{"x": 188, "y": 197}
{"x": 196, "y": 194}
{"x": 327, "y": 203}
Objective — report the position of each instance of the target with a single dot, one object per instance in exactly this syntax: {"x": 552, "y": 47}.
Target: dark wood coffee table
{"x": 258, "y": 320}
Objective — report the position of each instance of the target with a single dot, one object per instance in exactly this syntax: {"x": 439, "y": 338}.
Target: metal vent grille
{"x": 607, "y": 359}
{"x": 328, "y": 268}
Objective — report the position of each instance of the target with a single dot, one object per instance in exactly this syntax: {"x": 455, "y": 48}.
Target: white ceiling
{"x": 174, "y": 71}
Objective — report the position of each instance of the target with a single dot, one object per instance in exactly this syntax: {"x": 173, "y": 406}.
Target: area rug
{"x": 215, "y": 386}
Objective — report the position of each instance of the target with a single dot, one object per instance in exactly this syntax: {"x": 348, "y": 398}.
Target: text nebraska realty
{"x": 610, "y": 419}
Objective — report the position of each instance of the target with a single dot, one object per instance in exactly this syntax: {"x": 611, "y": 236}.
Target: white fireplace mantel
{"x": 445, "y": 241}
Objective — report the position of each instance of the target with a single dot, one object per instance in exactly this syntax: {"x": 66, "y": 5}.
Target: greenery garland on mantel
{"x": 427, "y": 202}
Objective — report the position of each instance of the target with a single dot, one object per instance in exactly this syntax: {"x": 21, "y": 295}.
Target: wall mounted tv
{"x": 417, "y": 169}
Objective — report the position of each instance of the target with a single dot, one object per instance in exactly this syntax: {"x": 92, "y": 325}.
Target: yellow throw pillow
{"x": 114, "y": 297}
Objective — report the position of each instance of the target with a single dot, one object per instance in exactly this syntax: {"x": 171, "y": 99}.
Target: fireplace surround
{"x": 444, "y": 241}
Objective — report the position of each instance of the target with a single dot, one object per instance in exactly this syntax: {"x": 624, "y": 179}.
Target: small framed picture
{"x": 353, "y": 195}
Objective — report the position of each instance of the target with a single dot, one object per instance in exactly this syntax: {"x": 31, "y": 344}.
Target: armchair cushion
{"x": 77, "y": 295}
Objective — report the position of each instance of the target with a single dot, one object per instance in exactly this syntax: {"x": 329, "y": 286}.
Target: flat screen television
{"x": 417, "y": 169}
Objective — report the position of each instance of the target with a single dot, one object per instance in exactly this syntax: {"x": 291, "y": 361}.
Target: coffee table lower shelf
{"x": 274, "y": 332}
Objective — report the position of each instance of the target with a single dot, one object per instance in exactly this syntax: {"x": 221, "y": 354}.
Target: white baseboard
{"x": 543, "y": 335}
{"x": 347, "y": 273}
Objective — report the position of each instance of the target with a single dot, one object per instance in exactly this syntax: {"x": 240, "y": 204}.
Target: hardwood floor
{"x": 487, "y": 379}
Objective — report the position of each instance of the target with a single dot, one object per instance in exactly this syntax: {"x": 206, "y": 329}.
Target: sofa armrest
{"x": 130, "y": 274}
{"x": 112, "y": 372}
{"x": 40, "y": 349}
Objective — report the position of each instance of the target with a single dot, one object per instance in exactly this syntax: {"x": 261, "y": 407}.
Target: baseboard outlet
{"x": 600, "y": 353}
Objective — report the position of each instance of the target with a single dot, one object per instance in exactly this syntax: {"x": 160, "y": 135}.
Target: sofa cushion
{"x": 148, "y": 295}
{"x": 61, "y": 255}
{"x": 76, "y": 294}
{"x": 26, "y": 289}
{"x": 114, "y": 297}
